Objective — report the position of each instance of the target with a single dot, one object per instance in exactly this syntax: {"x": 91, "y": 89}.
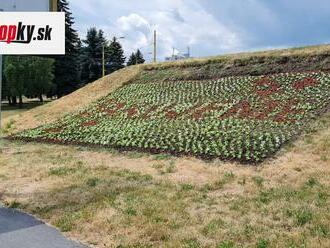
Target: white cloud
{"x": 179, "y": 23}
{"x": 133, "y": 21}
{"x": 210, "y": 27}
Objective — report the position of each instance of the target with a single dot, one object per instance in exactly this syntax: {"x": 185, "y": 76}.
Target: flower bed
{"x": 245, "y": 118}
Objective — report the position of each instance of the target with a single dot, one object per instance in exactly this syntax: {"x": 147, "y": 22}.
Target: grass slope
{"x": 253, "y": 63}
{"x": 71, "y": 103}
{"x": 245, "y": 118}
{"x": 110, "y": 199}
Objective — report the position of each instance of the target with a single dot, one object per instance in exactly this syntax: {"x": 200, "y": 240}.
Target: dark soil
{"x": 307, "y": 82}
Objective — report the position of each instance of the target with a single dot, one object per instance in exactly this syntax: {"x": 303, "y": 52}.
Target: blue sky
{"x": 209, "y": 27}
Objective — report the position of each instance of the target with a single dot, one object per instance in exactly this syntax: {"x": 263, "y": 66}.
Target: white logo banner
{"x": 32, "y": 33}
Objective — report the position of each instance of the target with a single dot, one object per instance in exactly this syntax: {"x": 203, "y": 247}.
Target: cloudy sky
{"x": 209, "y": 27}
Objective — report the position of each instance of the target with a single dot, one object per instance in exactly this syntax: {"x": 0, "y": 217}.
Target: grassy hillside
{"x": 253, "y": 63}
{"x": 297, "y": 57}
{"x": 107, "y": 198}
{"x": 111, "y": 199}
{"x": 71, "y": 103}
{"x": 246, "y": 118}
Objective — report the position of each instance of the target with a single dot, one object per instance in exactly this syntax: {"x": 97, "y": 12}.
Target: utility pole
{"x": 53, "y": 5}
{"x": 155, "y": 46}
{"x": 103, "y": 62}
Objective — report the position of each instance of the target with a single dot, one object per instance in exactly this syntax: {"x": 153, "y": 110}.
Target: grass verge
{"x": 108, "y": 200}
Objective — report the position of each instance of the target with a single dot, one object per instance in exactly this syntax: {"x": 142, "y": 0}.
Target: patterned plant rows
{"x": 245, "y": 118}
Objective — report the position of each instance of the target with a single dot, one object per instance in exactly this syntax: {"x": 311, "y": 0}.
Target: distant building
{"x": 178, "y": 56}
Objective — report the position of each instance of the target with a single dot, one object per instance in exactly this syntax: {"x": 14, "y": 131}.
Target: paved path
{"x": 18, "y": 230}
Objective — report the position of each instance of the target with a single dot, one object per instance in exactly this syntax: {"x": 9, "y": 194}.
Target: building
{"x": 178, "y": 56}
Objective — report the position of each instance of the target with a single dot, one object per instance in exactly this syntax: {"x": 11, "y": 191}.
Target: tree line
{"x": 56, "y": 76}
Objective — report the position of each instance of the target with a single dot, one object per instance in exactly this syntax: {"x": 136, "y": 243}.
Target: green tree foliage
{"x": 29, "y": 76}
{"x": 136, "y": 58}
{"x": 16, "y": 72}
{"x": 115, "y": 58}
{"x": 92, "y": 55}
{"x": 67, "y": 67}
{"x": 5, "y": 93}
{"x": 41, "y": 77}
{"x": 139, "y": 57}
{"x": 131, "y": 59}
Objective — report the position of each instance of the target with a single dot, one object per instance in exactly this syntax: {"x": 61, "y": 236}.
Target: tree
{"x": 41, "y": 77}
{"x": 29, "y": 76}
{"x": 92, "y": 55}
{"x": 16, "y": 72}
{"x": 67, "y": 66}
{"x": 80, "y": 61}
{"x": 136, "y": 58}
{"x": 5, "y": 94}
{"x": 139, "y": 57}
{"x": 116, "y": 58}
{"x": 131, "y": 59}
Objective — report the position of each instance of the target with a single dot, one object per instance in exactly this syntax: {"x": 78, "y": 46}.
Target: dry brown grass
{"x": 300, "y": 51}
{"x": 106, "y": 198}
